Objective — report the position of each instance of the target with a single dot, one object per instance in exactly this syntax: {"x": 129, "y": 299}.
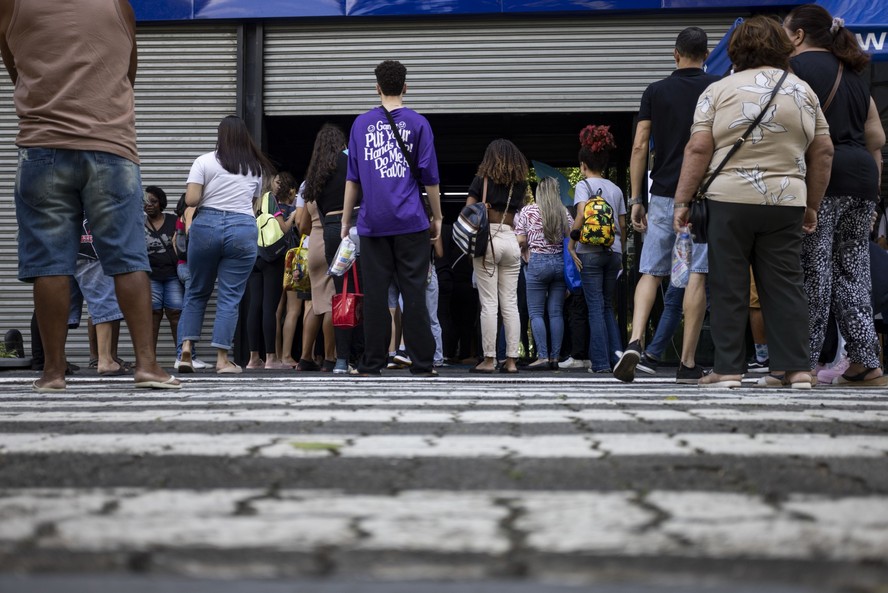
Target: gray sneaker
{"x": 688, "y": 376}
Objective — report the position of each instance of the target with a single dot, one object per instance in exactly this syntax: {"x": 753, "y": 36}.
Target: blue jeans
{"x": 599, "y": 276}
{"x": 92, "y": 285}
{"x": 167, "y": 294}
{"x": 220, "y": 245}
{"x": 545, "y": 292}
{"x": 669, "y": 320}
{"x": 55, "y": 189}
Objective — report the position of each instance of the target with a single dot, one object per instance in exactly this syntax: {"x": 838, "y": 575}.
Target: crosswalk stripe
{"x": 590, "y": 445}
{"x": 709, "y": 524}
{"x": 562, "y": 416}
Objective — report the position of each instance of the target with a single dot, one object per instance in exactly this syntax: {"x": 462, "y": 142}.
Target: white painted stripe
{"x": 410, "y": 416}
{"x": 591, "y": 445}
{"x": 693, "y": 524}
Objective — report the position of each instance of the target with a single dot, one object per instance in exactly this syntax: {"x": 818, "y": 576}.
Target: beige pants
{"x": 496, "y": 275}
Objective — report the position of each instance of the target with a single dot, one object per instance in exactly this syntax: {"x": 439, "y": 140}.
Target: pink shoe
{"x": 837, "y": 370}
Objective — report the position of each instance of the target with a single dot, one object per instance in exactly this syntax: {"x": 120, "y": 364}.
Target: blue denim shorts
{"x": 97, "y": 290}
{"x": 656, "y": 254}
{"x": 55, "y": 189}
{"x": 167, "y": 294}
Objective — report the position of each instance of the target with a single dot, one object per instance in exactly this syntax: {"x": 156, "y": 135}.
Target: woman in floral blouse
{"x": 760, "y": 203}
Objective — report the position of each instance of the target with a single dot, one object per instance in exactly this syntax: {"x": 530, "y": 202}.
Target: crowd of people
{"x": 790, "y": 210}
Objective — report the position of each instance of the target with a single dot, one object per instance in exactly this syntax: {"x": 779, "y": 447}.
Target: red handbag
{"x": 348, "y": 307}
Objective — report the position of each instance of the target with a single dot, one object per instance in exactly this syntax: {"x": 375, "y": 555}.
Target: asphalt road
{"x": 542, "y": 482}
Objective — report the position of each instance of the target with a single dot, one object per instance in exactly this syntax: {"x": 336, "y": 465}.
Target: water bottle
{"x": 681, "y": 259}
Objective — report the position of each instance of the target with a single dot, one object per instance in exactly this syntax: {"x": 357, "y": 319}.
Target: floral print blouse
{"x": 769, "y": 169}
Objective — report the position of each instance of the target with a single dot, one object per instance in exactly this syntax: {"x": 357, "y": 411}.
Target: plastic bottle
{"x": 344, "y": 258}
{"x": 681, "y": 259}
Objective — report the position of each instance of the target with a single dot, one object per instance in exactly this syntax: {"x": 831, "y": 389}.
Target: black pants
{"x": 266, "y": 285}
{"x": 769, "y": 238}
{"x": 576, "y": 335}
{"x": 405, "y": 259}
{"x": 349, "y": 341}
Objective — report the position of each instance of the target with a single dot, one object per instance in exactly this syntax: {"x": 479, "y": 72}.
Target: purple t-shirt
{"x": 392, "y": 204}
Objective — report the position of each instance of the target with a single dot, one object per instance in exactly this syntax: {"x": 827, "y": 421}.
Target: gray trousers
{"x": 768, "y": 238}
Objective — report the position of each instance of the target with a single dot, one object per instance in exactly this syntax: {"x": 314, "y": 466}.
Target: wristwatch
{"x": 635, "y": 201}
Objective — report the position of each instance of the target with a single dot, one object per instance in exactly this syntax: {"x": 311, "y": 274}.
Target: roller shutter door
{"x": 186, "y": 83}
{"x": 488, "y": 65}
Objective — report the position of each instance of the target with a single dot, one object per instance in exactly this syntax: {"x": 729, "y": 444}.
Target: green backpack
{"x": 272, "y": 240}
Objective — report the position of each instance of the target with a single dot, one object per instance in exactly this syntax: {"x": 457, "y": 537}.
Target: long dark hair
{"x": 329, "y": 142}
{"x": 821, "y": 30}
{"x": 503, "y": 163}
{"x": 236, "y": 151}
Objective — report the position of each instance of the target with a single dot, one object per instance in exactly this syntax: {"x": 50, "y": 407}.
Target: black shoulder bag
{"x": 698, "y": 216}
{"x": 407, "y": 157}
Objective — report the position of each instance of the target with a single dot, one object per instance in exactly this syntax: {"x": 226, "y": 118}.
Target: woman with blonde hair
{"x": 541, "y": 228}
{"x": 502, "y": 180}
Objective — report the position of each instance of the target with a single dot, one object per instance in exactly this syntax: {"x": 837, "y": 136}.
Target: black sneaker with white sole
{"x": 648, "y": 364}
{"x": 688, "y": 376}
{"x": 625, "y": 367}
{"x": 754, "y": 366}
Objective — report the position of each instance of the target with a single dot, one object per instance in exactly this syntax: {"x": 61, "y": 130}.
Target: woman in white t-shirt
{"x": 222, "y": 240}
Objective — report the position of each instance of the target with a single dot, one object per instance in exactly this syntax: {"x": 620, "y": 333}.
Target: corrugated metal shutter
{"x": 593, "y": 63}
{"x": 187, "y": 81}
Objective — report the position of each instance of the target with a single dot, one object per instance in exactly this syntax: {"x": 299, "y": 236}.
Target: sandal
{"x": 860, "y": 380}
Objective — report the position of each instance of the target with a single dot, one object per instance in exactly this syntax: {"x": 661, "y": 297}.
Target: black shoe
{"x": 648, "y": 364}
{"x": 754, "y": 366}
{"x": 14, "y": 343}
{"x": 625, "y": 368}
{"x": 402, "y": 359}
{"x": 307, "y": 365}
{"x": 429, "y": 373}
{"x": 688, "y": 376}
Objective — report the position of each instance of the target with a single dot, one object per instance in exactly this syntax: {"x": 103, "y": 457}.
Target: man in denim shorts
{"x": 666, "y": 114}
{"x": 78, "y": 157}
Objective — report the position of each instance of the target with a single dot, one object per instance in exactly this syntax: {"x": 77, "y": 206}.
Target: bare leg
{"x": 757, "y": 325}
{"x": 173, "y": 318}
{"x": 279, "y": 334}
{"x": 115, "y": 337}
{"x": 694, "y": 311}
{"x": 645, "y": 295}
{"x": 156, "y": 319}
{"x": 291, "y": 320}
{"x": 134, "y": 297}
{"x": 93, "y": 341}
{"x": 107, "y": 364}
{"x": 329, "y": 337}
{"x": 52, "y": 296}
{"x": 311, "y": 324}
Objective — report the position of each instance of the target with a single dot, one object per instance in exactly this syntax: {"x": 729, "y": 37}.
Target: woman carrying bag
{"x": 501, "y": 181}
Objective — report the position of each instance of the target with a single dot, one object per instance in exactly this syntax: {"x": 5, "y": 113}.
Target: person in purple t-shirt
{"x": 393, "y": 222}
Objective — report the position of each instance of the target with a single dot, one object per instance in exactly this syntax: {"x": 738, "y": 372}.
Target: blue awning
{"x": 868, "y": 21}
{"x": 177, "y": 10}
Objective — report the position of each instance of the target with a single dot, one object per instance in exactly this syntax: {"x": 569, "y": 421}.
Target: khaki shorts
{"x": 753, "y": 293}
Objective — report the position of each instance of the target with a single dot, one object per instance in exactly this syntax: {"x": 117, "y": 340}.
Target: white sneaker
{"x": 571, "y": 363}
{"x": 196, "y": 363}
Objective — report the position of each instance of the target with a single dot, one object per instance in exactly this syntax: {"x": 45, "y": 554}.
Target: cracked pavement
{"x": 560, "y": 480}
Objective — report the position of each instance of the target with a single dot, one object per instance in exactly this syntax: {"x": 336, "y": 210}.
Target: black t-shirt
{"x": 498, "y": 195}
{"x": 161, "y": 256}
{"x": 332, "y": 196}
{"x": 854, "y": 171}
{"x": 669, "y": 105}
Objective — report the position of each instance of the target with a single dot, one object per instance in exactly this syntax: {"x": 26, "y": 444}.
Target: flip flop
{"x": 170, "y": 383}
{"x": 40, "y": 389}
{"x": 482, "y": 371}
{"x": 115, "y": 373}
{"x": 185, "y": 367}
{"x": 231, "y": 369}
{"x": 771, "y": 380}
{"x": 506, "y": 371}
